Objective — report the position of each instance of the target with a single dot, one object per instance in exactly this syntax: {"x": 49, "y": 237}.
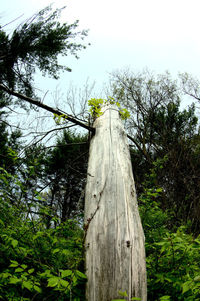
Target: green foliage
{"x": 40, "y": 256}
{"x": 160, "y": 127}
{"x": 59, "y": 119}
{"x": 65, "y": 170}
{"x": 172, "y": 256}
{"x": 37, "y": 44}
{"x": 9, "y": 145}
{"x": 124, "y": 113}
{"x": 125, "y": 295}
{"x": 34, "y": 260}
{"x": 173, "y": 267}
{"x": 95, "y": 107}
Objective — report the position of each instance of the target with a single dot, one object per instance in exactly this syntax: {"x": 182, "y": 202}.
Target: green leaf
{"x": 56, "y": 251}
{"x": 118, "y": 299}
{"x": 66, "y": 252}
{"x": 37, "y": 289}
{"x": 30, "y": 271}
{"x": 14, "y": 280}
{"x": 186, "y": 286}
{"x": 64, "y": 283}
{"x": 80, "y": 274}
{"x": 65, "y": 273}
{"x": 46, "y": 273}
{"x": 5, "y": 275}
{"x": 168, "y": 279}
{"x": 123, "y": 294}
{"x": 14, "y": 264}
{"x": 52, "y": 282}
{"x": 160, "y": 243}
{"x": 197, "y": 278}
{"x": 18, "y": 270}
{"x": 14, "y": 243}
{"x": 28, "y": 285}
{"x": 165, "y": 298}
{"x": 24, "y": 266}
{"x": 135, "y": 298}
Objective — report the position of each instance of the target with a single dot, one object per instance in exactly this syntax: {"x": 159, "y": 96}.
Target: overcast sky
{"x": 158, "y": 34}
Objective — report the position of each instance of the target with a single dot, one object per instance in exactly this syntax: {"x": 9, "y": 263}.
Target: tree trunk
{"x": 114, "y": 238}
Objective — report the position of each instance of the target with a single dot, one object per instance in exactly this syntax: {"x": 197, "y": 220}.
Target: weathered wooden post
{"x": 114, "y": 242}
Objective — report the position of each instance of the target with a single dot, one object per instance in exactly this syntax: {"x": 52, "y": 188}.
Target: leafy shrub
{"x": 173, "y": 266}
{"x": 37, "y": 263}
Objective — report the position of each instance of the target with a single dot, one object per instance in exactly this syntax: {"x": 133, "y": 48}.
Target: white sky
{"x": 158, "y": 34}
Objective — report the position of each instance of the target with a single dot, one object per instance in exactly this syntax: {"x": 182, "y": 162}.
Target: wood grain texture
{"x": 114, "y": 242}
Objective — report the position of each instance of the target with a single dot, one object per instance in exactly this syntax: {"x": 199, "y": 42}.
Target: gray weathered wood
{"x": 114, "y": 242}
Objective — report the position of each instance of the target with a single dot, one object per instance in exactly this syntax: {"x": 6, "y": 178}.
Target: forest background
{"x": 43, "y": 172}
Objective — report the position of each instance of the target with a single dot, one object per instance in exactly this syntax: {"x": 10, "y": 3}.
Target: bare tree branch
{"x": 47, "y": 108}
{"x": 142, "y": 150}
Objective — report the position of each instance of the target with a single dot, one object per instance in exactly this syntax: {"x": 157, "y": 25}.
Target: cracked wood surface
{"x": 114, "y": 239}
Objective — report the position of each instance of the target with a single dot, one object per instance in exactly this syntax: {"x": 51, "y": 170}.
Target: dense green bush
{"x": 173, "y": 265}
{"x": 37, "y": 263}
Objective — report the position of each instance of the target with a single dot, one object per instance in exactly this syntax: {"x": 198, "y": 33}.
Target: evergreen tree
{"x": 36, "y": 45}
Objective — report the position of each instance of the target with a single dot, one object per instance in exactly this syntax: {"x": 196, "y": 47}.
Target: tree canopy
{"x": 160, "y": 130}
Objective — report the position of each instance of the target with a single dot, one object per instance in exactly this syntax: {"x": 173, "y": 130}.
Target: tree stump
{"x": 114, "y": 238}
